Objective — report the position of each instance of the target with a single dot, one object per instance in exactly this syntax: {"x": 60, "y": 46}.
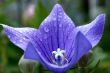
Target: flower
{"x": 57, "y": 44}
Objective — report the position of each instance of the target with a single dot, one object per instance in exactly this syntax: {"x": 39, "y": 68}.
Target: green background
{"x": 12, "y": 12}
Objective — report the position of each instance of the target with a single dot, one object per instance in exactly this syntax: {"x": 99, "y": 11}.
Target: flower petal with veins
{"x": 94, "y": 30}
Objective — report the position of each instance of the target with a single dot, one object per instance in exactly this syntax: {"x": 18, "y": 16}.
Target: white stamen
{"x": 59, "y": 54}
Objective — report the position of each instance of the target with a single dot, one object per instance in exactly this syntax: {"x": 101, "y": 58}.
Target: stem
{"x": 82, "y": 70}
{"x": 59, "y": 72}
{"x": 3, "y": 54}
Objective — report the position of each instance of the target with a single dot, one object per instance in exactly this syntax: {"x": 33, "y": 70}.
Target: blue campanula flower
{"x": 57, "y": 44}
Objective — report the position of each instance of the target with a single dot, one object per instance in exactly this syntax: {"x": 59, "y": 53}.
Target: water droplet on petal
{"x": 60, "y": 25}
{"x": 60, "y": 13}
{"x": 59, "y": 10}
{"x": 40, "y": 39}
{"x": 20, "y": 40}
{"x": 53, "y": 14}
{"x": 78, "y": 27}
{"x": 46, "y": 29}
{"x": 45, "y": 20}
{"x": 68, "y": 32}
{"x": 60, "y": 16}
{"x": 24, "y": 38}
{"x": 54, "y": 18}
{"x": 14, "y": 39}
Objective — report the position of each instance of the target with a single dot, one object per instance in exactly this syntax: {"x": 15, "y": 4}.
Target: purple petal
{"x": 94, "y": 30}
{"x": 38, "y": 39}
{"x": 70, "y": 42}
{"x": 80, "y": 47}
{"x": 33, "y": 53}
{"x": 30, "y": 52}
{"x": 82, "y": 44}
{"x": 19, "y": 36}
{"x": 56, "y": 28}
{"x": 76, "y": 54}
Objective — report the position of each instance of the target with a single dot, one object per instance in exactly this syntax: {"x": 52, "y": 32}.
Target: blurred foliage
{"x": 80, "y": 11}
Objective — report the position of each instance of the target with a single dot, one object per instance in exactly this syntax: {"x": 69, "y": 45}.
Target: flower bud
{"x": 83, "y": 62}
{"x": 27, "y": 65}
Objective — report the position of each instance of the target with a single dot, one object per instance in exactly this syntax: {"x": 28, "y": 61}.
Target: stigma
{"x": 58, "y": 57}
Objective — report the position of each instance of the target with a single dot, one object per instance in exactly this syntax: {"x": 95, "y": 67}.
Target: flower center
{"x": 59, "y": 57}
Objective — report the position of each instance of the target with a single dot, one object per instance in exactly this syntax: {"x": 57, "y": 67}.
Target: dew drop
{"x": 68, "y": 32}
{"x": 46, "y": 29}
{"x": 40, "y": 39}
{"x": 53, "y": 14}
{"x": 14, "y": 40}
{"x": 60, "y": 16}
{"x": 60, "y": 13}
{"x": 65, "y": 18}
{"x": 79, "y": 27}
{"x": 60, "y": 25}
{"x": 54, "y": 18}
{"x": 20, "y": 40}
{"x": 24, "y": 38}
